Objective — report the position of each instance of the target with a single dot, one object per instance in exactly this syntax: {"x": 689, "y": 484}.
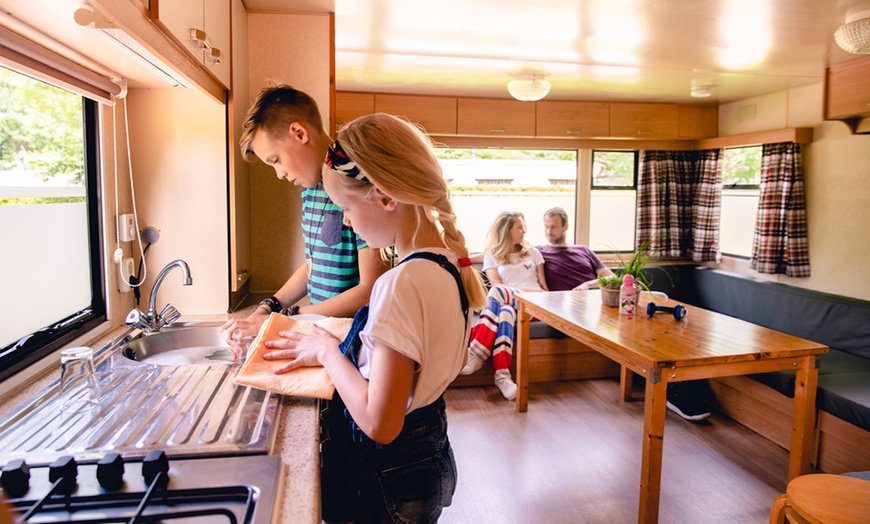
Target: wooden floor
{"x": 575, "y": 458}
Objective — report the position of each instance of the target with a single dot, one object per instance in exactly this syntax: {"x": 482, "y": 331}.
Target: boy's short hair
{"x": 275, "y": 108}
{"x": 557, "y": 212}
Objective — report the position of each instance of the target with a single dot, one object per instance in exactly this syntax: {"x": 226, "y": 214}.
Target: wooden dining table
{"x": 704, "y": 344}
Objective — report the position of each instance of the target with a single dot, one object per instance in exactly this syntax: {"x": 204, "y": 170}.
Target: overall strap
{"x": 442, "y": 261}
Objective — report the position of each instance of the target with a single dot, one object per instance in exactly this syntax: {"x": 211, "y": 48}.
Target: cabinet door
{"x": 352, "y": 105}
{"x": 436, "y": 114}
{"x": 495, "y": 117}
{"x": 216, "y": 21}
{"x": 178, "y": 18}
{"x": 572, "y": 119}
{"x": 211, "y": 18}
{"x": 847, "y": 89}
{"x": 699, "y": 121}
{"x": 645, "y": 121}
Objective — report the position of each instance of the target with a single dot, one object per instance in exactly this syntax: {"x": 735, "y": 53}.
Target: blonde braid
{"x": 455, "y": 241}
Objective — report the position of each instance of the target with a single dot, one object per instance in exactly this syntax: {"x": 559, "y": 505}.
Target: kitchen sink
{"x": 190, "y": 345}
{"x": 146, "y": 404}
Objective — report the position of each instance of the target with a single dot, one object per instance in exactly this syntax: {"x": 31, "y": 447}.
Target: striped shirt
{"x": 331, "y": 248}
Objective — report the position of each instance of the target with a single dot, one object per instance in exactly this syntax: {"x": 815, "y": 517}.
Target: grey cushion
{"x": 846, "y": 396}
{"x": 833, "y": 362}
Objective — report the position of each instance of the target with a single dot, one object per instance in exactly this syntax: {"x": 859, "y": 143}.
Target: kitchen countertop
{"x": 297, "y": 440}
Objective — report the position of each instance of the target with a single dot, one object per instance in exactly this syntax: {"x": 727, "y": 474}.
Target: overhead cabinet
{"x": 349, "y": 106}
{"x": 435, "y": 114}
{"x": 555, "y": 119}
{"x": 495, "y": 117}
{"x": 202, "y": 27}
{"x": 645, "y": 121}
{"x": 492, "y": 117}
{"x": 847, "y": 91}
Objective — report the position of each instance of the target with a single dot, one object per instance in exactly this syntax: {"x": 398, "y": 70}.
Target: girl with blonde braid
{"x": 410, "y": 342}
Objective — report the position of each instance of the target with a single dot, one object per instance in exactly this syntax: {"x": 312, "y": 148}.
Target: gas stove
{"x": 232, "y": 490}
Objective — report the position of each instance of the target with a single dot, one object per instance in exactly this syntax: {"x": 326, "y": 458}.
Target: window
{"x": 613, "y": 201}
{"x": 741, "y": 174}
{"x": 49, "y": 220}
{"x": 485, "y": 182}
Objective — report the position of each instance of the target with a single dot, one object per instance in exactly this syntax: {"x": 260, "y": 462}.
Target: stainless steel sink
{"x": 184, "y": 410}
{"x": 191, "y": 345}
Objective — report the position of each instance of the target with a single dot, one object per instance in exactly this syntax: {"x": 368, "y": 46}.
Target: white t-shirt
{"x": 415, "y": 309}
{"x": 521, "y": 274}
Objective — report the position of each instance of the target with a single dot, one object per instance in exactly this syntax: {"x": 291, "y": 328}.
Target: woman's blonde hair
{"x": 498, "y": 238}
{"x": 397, "y": 157}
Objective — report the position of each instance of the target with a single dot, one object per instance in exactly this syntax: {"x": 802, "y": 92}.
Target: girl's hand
{"x": 302, "y": 350}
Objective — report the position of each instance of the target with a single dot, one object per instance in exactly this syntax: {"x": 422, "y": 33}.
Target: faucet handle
{"x": 169, "y": 314}
{"x": 137, "y": 319}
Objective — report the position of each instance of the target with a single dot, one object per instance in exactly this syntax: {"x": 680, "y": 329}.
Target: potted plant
{"x": 633, "y": 266}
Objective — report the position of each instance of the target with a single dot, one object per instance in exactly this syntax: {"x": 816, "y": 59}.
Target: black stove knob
{"x": 15, "y": 478}
{"x": 156, "y": 462}
{"x": 110, "y": 471}
{"x": 65, "y": 469}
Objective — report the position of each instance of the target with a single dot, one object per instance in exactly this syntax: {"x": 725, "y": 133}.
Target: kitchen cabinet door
{"x": 495, "y": 117}
{"x": 352, "y": 105}
{"x": 847, "y": 90}
{"x": 436, "y": 114}
{"x": 202, "y": 27}
{"x": 699, "y": 121}
{"x": 556, "y": 119}
{"x": 644, "y": 120}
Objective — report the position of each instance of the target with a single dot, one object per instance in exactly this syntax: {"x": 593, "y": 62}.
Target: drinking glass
{"x": 79, "y": 391}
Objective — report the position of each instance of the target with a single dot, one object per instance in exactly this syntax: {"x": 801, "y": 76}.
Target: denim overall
{"x": 411, "y": 479}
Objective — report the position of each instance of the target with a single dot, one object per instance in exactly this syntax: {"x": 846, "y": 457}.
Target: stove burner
{"x": 16, "y": 478}
{"x": 110, "y": 471}
{"x": 232, "y": 490}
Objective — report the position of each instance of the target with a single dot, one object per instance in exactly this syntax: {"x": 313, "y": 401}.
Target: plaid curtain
{"x": 707, "y": 203}
{"x": 678, "y": 204}
{"x": 780, "y": 244}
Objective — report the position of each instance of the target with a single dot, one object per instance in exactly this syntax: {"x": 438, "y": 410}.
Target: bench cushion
{"x": 833, "y": 362}
{"x": 847, "y": 396}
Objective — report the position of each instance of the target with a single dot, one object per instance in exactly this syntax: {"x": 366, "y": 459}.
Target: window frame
{"x": 35, "y": 346}
{"x": 633, "y": 185}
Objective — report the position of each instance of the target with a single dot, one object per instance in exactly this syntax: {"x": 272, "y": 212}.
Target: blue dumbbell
{"x": 679, "y": 311}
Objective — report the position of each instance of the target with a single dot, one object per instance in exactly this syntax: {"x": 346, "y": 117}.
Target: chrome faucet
{"x": 152, "y": 321}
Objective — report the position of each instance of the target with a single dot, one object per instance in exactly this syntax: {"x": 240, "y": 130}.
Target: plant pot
{"x": 610, "y": 296}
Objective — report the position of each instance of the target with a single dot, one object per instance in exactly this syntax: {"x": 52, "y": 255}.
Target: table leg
{"x": 653, "y": 440}
{"x": 626, "y": 376}
{"x": 522, "y": 356}
{"x": 804, "y": 423}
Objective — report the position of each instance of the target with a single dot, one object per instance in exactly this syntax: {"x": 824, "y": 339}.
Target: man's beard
{"x": 560, "y": 240}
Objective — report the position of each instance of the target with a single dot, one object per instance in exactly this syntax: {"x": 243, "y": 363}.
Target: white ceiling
{"x": 648, "y": 50}
{"x": 644, "y": 50}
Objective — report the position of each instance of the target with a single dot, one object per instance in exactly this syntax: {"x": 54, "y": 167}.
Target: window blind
{"x": 33, "y": 60}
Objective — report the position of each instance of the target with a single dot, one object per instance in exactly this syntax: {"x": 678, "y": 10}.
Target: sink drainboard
{"x": 183, "y": 410}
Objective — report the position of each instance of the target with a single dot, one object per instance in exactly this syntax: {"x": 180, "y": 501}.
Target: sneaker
{"x": 474, "y": 363}
{"x": 507, "y": 387}
{"x": 686, "y": 402}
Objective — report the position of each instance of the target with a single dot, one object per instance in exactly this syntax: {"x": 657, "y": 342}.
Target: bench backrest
{"x": 838, "y": 322}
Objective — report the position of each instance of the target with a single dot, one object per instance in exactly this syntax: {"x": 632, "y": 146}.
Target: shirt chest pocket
{"x": 330, "y": 231}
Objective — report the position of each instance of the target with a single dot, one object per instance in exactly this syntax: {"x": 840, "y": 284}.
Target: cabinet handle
{"x": 496, "y": 130}
{"x": 215, "y": 55}
{"x": 644, "y": 132}
{"x": 199, "y": 36}
{"x": 574, "y": 131}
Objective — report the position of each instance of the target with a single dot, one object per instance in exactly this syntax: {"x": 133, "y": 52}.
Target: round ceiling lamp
{"x": 529, "y": 89}
{"x": 854, "y": 35}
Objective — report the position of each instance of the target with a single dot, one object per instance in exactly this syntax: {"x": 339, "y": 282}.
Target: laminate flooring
{"x": 575, "y": 457}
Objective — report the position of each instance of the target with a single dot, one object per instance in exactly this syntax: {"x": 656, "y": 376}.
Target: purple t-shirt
{"x": 566, "y": 267}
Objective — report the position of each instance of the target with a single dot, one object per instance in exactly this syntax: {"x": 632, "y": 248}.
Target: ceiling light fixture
{"x": 854, "y": 35}
{"x": 529, "y": 88}
{"x": 702, "y": 91}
